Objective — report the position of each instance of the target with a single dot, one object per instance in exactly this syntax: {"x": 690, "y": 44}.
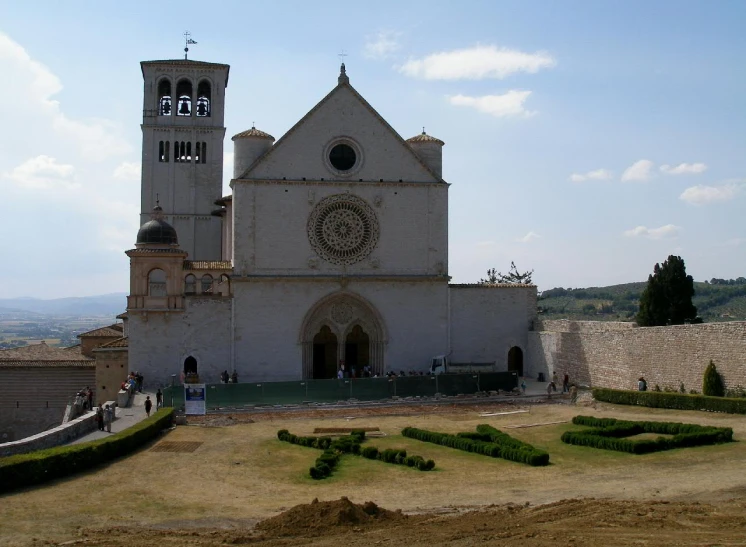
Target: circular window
{"x": 342, "y": 157}
{"x": 343, "y": 229}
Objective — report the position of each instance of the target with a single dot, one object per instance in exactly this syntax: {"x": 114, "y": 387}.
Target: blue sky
{"x": 584, "y": 140}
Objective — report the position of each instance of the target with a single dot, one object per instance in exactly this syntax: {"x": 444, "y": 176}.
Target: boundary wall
{"x": 615, "y": 354}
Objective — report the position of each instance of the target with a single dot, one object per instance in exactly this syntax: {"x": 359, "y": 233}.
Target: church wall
{"x": 269, "y": 317}
{"x": 487, "y": 321}
{"x": 271, "y": 237}
{"x": 302, "y": 153}
{"x": 159, "y": 344}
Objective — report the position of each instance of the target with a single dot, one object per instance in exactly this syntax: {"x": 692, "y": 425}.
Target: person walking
{"x": 550, "y": 388}
{"x": 234, "y": 377}
{"x": 158, "y": 399}
{"x": 89, "y": 396}
{"x": 523, "y": 386}
{"x": 642, "y": 385}
{"x": 100, "y": 417}
{"x": 148, "y": 406}
{"x": 108, "y": 417}
{"x": 566, "y": 383}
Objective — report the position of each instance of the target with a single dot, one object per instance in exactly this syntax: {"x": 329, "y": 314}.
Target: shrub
{"x": 609, "y": 433}
{"x": 350, "y": 444}
{"x": 496, "y": 445}
{"x": 52, "y": 463}
{"x": 712, "y": 382}
{"x": 671, "y": 400}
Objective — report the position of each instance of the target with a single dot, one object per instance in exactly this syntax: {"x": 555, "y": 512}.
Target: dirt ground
{"x": 229, "y": 473}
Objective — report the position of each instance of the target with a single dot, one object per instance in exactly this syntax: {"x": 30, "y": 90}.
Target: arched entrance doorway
{"x": 325, "y": 354}
{"x": 359, "y": 336}
{"x": 190, "y": 365}
{"x": 357, "y": 351}
{"x": 515, "y": 360}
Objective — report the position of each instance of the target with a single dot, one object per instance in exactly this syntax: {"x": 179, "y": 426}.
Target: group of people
{"x": 85, "y": 398}
{"x": 104, "y": 417}
{"x": 566, "y": 386}
{"x": 226, "y": 378}
{"x": 133, "y": 383}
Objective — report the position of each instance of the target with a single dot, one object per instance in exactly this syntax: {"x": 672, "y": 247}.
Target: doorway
{"x": 357, "y": 351}
{"x": 190, "y": 365}
{"x": 325, "y": 354}
{"x": 515, "y": 360}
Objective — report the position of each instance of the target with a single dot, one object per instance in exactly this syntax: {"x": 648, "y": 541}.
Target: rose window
{"x": 343, "y": 229}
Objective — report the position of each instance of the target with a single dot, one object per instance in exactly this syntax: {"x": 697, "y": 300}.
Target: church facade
{"x": 330, "y": 252}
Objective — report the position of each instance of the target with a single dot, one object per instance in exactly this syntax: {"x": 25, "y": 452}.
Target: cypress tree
{"x": 667, "y": 299}
{"x": 712, "y": 383}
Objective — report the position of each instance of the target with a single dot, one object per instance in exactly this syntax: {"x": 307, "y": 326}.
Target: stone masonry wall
{"x": 616, "y": 356}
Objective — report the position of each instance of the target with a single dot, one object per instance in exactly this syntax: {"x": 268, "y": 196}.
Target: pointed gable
{"x": 342, "y": 116}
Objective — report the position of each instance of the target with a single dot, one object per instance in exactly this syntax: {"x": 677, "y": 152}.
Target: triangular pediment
{"x": 342, "y": 116}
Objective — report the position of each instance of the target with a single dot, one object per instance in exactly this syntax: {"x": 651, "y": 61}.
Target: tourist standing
{"x": 148, "y": 406}
{"x": 550, "y": 387}
{"x": 108, "y": 417}
{"x": 89, "y": 395}
{"x": 100, "y": 417}
{"x": 642, "y": 385}
{"x": 158, "y": 399}
{"x": 234, "y": 377}
{"x": 566, "y": 383}
{"x": 523, "y": 386}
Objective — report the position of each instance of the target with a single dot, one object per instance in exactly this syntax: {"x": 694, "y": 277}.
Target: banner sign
{"x": 195, "y": 399}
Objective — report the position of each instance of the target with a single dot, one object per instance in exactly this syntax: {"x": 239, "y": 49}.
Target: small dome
{"x": 157, "y": 231}
{"x": 424, "y": 137}
{"x": 253, "y": 132}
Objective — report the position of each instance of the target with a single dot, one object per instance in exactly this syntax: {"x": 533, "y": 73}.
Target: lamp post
{"x": 173, "y": 379}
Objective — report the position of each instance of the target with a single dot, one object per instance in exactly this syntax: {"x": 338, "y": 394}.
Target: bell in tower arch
{"x": 201, "y": 108}
{"x": 166, "y": 106}
{"x": 184, "y": 108}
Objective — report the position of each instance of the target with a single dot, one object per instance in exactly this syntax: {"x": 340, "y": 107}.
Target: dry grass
{"x": 244, "y": 473}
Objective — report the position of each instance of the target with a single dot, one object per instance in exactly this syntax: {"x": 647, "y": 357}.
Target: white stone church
{"x": 331, "y": 250}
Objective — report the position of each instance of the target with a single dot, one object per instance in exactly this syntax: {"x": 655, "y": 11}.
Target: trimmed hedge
{"x": 350, "y": 444}
{"x": 609, "y": 433}
{"x": 678, "y": 401}
{"x": 487, "y": 441}
{"x": 53, "y": 463}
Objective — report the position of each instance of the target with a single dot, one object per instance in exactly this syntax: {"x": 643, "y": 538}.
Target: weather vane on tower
{"x": 187, "y": 42}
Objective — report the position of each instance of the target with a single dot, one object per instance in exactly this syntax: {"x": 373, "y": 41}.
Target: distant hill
{"x": 715, "y": 302}
{"x": 105, "y": 304}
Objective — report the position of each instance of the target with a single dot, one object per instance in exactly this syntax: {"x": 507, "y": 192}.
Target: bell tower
{"x": 183, "y": 127}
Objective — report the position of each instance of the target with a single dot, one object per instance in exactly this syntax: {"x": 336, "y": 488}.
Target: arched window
{"x": 198, "y": 152}
{"x": 184, "y": 96}
{"x": 225, "y": 285}
{"x": 203, "y": 157}
{"x": 206, "y": 284}
{"x": 161, "y": 151}
{"x": 157, "y": 283}
{"x": 190, "y": 285}
{"x": 203, "y": 98}
{"x": 188, "y": 156}
{"x": 190, "y": 365}
{"x": 164, "y": 97}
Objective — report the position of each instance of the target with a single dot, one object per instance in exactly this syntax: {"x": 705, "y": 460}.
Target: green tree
{"x": 513, "y": 276}
{"x": 667, "y": 299}
{"x": 712, "y": 383}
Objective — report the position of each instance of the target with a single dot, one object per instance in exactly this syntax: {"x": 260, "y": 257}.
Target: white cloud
{"x": 684, "y": 169}
{"x": 528, "y": 238}
{"x": 32, "y": 86}
{"x": 500, "y": 106}
{"x": 381, "y": 45}
{"x": 598, "y": 174}
{"x": 43, "y": 173}
{"x": 702, "y": 195}
{"x": 664, "y": 232}
{"x": 127, "y": 170}
{"x": 476, "y": 63}
{"x": 638, "y": 171}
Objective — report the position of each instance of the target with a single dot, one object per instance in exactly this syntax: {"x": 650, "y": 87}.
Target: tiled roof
{"x": 118, "y": 343}
{"x": 79, "y": 363}
{"x": 424, "y": 137}
{"x": 39, "y": 352}
{"x": 110, "y": 331}
{"x": 122, "y": 315}
{"x": 490, "y": 286}
{"x": 207, "y": 265}
{"x": 186, "y": 63}
{"x": 253, "y": 132}
{"x": 161, "y": 250}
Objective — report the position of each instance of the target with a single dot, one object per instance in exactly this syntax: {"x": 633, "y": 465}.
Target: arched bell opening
{"x": 204, "y": 98}
{"x": 206, "y": 283}
{"x": 164, "y": 97}
{"x": 324, "y": 354}
{"x": 515, "y": 360}
{"x": 184, "y": 96}
{"x": 190, "y": 285}
{"x": 357, "y": 351}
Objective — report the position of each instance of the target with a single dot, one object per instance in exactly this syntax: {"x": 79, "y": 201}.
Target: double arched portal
{"x": 342, "y": 329}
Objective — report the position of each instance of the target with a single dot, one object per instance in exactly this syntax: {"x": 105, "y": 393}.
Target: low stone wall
{"x": 53, "y": 437}
{"x": 616, "y": 355}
